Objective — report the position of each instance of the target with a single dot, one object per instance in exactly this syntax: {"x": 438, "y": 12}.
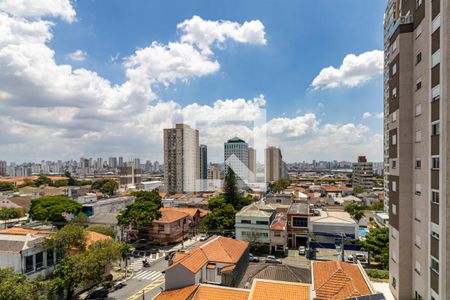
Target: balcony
{"x": 400, "y": 21}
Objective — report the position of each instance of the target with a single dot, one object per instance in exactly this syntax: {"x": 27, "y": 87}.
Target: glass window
{"x": 418, "y": 109}
{"x": 277, "y": 233}
{"x": 418, "y": 188}
{"x": 418, "y": 163}
{"x": 299, "y": 222}
{"x": 39, "y": 260}
{"x": 435, "y": 129}
{"x": 419, "y": 84}
{"x": 436, "y": 92}
{"x": 435, "y": 197}
{"x": 29, "y": 264}
{"x": 435, "y": 163}
{"x": 434, "y": 265}
{"x": 246, "y": 222}
{"x": 418, "y": 57}
{"x": 50, "y": 257}
{"x": 419, "y": 30}
{"x": 394, "y": 139}
{"x": 418, "y": 136}
{"x": 262, "y": 222}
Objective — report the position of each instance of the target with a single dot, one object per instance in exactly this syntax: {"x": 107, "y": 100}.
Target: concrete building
{"x": 149, "y": 185}
{"x": 181, "y": 159}
{"x": 298, "y": 224}
{"x": 112, "y": 205}
{"x": 252, "y": 164}
{"x": 130, "y": 176}
{"x": 236, "y": 158}
{"x": 330, "y": 226}
{"x": 203, "y": 166}
{"x": 112, "y": 162}
{"x": 416, "y": 88}
{"x": 253, "y": 224}
{"x": 2, "y": 168}
{"x": 274, "y": 164}
{"x": 362, "y": 174}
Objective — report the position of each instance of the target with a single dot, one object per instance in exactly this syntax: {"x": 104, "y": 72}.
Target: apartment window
{"x": 434, "y": 233}
{"x": 419, "y": 30}
{"x": 394, "y": 46}
{"x": 50, "y": 257}
{"x": 418, "y": 3}
{"x": 394, "y": 69}
{"x": 394, "y": 93}
{"x": 435, "y": 128}
{"x": 435, "y": 162}
{"x": 160, "y": 228}
{"x": 29, "y": 264}
{"x": 246, "y": 222}
{"x": 394, "y": 139}
{"x": 299, "y": 222}
{"x": 418, "y": 109}
{"x": 277, "y": 233}
{"x": 262, "y": 222}
{"x": 394, "y": 116}
{"x": 434, "y": 265}
{"x": 418, "y": 242}
{"x": 418, "y": 84}
{"x": 394, "y": 256}
{"x": 418, "y": 163}
{"x": 39, "y": 260}
{"x": 417, "y": 267}
{"x": 436, "y": 58}
{"x": 436, "y": 93}
{"x": 394, "y": 186}
{"x": 436, "y": 23}
{"x": 418, "y": 215}
{"x": 394, "y": 209}
{"x": 418, "y": 57}
{"x": 418, "y": 136}
{"x": 418, "y": 189}
{"x": 417, "y": 296}
{"x": 394, "y": 164}
{"x": 435, "y": 197}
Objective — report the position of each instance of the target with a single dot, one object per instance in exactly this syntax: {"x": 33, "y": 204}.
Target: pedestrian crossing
{"x": 136, "y": 265}
{"x": 147, "y": 275}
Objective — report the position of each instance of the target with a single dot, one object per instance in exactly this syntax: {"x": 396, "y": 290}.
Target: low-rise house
{"x": 87, "y": 198}
{"x": 112, "y": 205}
{"x": 196, "y": 215}
{"x": 332, "y": 225}
{"x": 253, "y": 224}
{"x": 279, "y": 198}
{"x": 20, "y": 202}
{"x": 278, "y": 234}
{"x": 298, "y": 225}
{"x": 219, "y": 260}
{"x": 172, "y": 227}
{"x": 343, "y": 201}
{"x": 340, "y": 280}
{"x": 150, "y": 185}
{"x": 261, "y": 290}
{"x": 22, "y": 249}
{"x": 382, "y": 219}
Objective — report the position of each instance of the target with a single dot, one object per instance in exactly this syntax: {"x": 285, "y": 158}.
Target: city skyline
{"x": 111, "y": 91}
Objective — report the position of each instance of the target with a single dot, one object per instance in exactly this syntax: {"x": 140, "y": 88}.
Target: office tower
{"x": 236, "y": 158}
{"x": 2, "y": 168}
{"x": 99, "y": 163}
{"x": 252, "y": 164}
{"x": 415, "y": 108}
{"x": 112, "y": 162}
{"x": 203, "y": 149}
{"x": 362, "y": 174}
{"x": 120, "y": 161}
{"x": 274, "y": 164}
{"x": 148, "y": 166}
{"x": 137, "y": 163}
{"x": 156, "y": 166}
{"x": 181, "y": 159}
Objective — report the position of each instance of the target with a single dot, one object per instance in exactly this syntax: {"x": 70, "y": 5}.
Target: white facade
{"x": 253, "y": 224}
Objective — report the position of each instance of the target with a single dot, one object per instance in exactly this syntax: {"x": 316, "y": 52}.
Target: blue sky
{"x": 301, "y": 39}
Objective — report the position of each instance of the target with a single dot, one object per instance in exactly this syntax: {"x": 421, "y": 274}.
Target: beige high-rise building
{"x": 252, "y": 164}
{"x": 274, "y": 164}
{"x": 181, "y": 159}
{"x": 363, "y": 174}
{"x": 415, "y": 150}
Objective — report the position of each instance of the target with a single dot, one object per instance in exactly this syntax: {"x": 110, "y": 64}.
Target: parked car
{"x": 203, "y": 238}
{"x": 272, "y": 260}
{"x": 253, "y": 258}
{"x": 302, "y": 250}
{"x": 358, "y": 256}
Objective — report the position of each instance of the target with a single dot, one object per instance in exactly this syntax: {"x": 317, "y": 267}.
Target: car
{"x": 358, "y": 256}
{"x": 98, "y": 294}
{"x": 253, "y": 258}
{"x": 272, "y": 260}
{"x": 203, "y": 238}
{"x": 302, "y": 250}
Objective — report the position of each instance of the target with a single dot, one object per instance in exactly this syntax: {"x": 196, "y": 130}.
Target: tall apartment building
{"x": 181, "y": 159}
{"x": 363, "y": 174}
{"x": 213, "y": 172}
{"x": 252, "y": 164}
{"x": 415, "y": 127}
{"x": 112, "y": 162}
{"x": 274, "y": 164}
{"x": 203, "y": 149}
{"x": 236, "y": 157}
{"x": 2, "y": 168}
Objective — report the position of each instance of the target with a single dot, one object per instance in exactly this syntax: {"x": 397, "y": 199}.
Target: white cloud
{"x": 366, "y": 115}
{"x": 40, "y": 8}
{"x": 355, "y": 70}
{"x": 379, "y": 115}
{"x": 204, "y": 33}
{"x": 77, "y": 55}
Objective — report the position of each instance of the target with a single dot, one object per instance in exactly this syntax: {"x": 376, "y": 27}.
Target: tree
{"x": 59, "y": 183}
{"x": 69, "y": 237}
{"x": 10, "y": 213}
{"x": 377, "y": 243}
{"x": 152, "y": 196}
{"x": 53, "y": 208}
{"x": 279, "y": 186}
{"x": 139, "y": 214}
{"x": 15, "y": 286}
{"x": 106, "y": 186}
{"x": 356, "y": 211}
{"x": 230, "y": 188}
{"x": 216, "y": 202}
{"x": 6, "y": 186}
{"x": 81, "y": 220}
{"x": 220, "y": 219}
{"x": 103, "y": 229}
{"x": 71, "y": 181}
{"x": 42, "y": 180}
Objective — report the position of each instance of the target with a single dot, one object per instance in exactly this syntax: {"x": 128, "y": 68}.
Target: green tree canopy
{"x": 52, "y": 208}
{"x": 377, "y": 243}
{"x": 230, "y": 188}
{"x": 42, "y": 180}
{"x": 69, "y": 237}
{"x": 15, "y": 286}
{"x": 103, "y": 229}
{"x": 357, "y": 190}
{"x": 279, "y": 185}
{"x": 139, "y": 214}
{"x": 356, "y": 211}
{"x": 6, "y": 186}
{"x": 151, "y": 196}
{"x": 10, "y": 213}
{"x": 220, "y": 219}
{"x": 106, "y": 186}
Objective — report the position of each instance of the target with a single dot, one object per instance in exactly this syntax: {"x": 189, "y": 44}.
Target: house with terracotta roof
{"x": 219, "y": 260}
{"x": 340, "y": 280}
{"x": 278, "y": 234}
{"x": 22, "y": 250}
{"x": 260, "y": 290}
{"x": 172, "y": 227}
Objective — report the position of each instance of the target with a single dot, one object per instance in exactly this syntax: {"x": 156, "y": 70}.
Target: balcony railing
{"x": 400, "y": 21}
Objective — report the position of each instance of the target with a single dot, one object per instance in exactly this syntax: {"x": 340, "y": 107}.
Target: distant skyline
{"x": 103, "y": 78}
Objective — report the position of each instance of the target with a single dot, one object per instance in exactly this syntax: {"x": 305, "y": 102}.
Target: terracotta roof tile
{"x": 170, "y": 215}
{"x": 282, "y": 290}
{"x": 178, "y": 294}
{"x": 219, "y": 293}
{"x": 23, "y": 231}
{"x": 338, "y": 280}
{"x": 190, "y": 211}
{"x": 92, "y": 237}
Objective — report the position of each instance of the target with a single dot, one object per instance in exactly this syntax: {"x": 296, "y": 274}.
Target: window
{"x": 29, "y": 264}
{"x": 50, "y": 257}
{"x": 418, "y": 84}
{"x": 394, "y": 209}
{"x": 436, "y": 23}
{"x": 160, "y": 228}
{"x": 279, "y": 248}
{"x": 418, "y": 136}
{"x": 246, "y": 222}
{"x": 419, "y": 30}
{"x": 218, "y": 271}
{"x": 434, "y": 265}
{"x": 435, "y": 162}
{"x": 436, "y": 93}
{"x": 299, "y": 222}
{"x": 262, "y": 222}
{"x": 418, "y": 57}
{"x": 418, "y": 215}
{"x": 418, "y": 109}
{"x": 434, "y": 233}
{"x": 418, "y": 189}
{"x": 39, "y": 260}
{"x": 418, "y": 163}
{"x": 394, "y": 164}
{"x": 435, "y": 197}
{"x": 277, "y": 233}
{"x": 418, "y": 3}
{"x": 394, "y": 116}
{"x": 394, "y": 186}
{"x": 435, "y": 128}
{"x": 394, "y": 139}
{"x": 436, "y": 58}
{"x": 394, "y": 46}
{"x": 418, "y": 242}
{"x": 394, "y": 282}
{"x": 394, "y": 69}
{"x": 394, "y": 256}
{"x": 417, "y": 267}
{"x": 394, "y": 93}
{"x": 417, "y": 296}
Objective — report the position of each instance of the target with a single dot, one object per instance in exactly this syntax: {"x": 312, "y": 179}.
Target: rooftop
{"x": 337, "y": 217}
{"x": 271, "y": 289}
{"x": 235, "y": 140}
{"x": 253, "y": 210}
{"x": 279, "y": 222}
{"x": 299, "y": 208}
{"x": 171, "y": 215}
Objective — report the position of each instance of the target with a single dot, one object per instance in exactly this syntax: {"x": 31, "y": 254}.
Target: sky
{"x": 100, "y": 78}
